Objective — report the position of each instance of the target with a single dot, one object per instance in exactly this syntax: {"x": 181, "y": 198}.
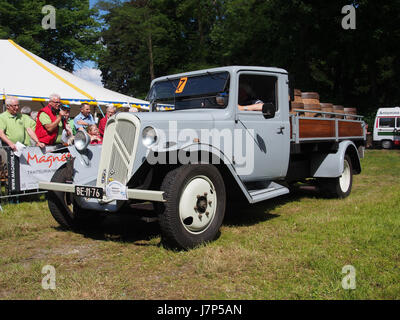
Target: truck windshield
{"x": 201, "y": 91}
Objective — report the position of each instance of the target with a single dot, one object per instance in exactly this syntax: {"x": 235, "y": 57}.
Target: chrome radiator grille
{"x": 117, "y": 154}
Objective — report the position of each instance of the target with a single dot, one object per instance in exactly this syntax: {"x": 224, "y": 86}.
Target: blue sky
{"x": 92, "y": 2}
{"x": 87, "y": 70}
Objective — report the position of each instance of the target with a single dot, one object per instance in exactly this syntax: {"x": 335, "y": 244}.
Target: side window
{"x": 257, "y": 89}
{"x": 398, "y": 123}
{"x": 386, "y": 122}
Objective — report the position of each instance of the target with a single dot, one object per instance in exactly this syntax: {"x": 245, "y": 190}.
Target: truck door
{"x": 271, "y": 137}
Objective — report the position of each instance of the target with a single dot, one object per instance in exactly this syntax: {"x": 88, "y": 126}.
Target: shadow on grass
{"x": 125, "y": 226}
{"x": 138, "y": 225}
{"x": 245, "y": 214}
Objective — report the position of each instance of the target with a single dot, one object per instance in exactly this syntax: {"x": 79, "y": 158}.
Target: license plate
{"x": 89, "y": 192}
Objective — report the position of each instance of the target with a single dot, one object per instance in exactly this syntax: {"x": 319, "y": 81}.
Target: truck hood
{"x": 181, "y": 115}
{"x": 175, "y": 129}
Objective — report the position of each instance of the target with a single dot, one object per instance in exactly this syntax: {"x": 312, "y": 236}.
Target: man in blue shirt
{"x": 84, "y": 119}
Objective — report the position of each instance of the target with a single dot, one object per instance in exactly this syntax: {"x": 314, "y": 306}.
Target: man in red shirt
{"x": 50, "y": 122}
{"x": 110, "y": 111}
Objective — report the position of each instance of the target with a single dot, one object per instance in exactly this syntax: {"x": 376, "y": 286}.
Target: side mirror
{"x": 268, "y": 110}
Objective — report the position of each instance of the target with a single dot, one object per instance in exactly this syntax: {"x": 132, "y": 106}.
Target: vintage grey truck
{"x": 204, "y": 146}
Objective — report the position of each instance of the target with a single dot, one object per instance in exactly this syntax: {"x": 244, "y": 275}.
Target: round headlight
{"x": 149, "y": 136}
{"x": 81, "y": 140}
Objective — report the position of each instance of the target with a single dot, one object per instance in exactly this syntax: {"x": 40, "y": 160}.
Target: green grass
{"x": 293, "y": 247}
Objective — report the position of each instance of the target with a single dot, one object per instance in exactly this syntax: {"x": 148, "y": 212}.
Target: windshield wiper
{"x": 175, "y": 87}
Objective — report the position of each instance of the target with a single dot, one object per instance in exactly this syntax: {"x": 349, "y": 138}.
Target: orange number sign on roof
{"x": 181, "y": 85}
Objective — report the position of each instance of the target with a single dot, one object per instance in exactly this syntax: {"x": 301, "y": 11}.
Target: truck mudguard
{"x": 330, "y": 165}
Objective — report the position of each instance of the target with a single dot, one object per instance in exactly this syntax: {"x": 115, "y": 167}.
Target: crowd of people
{"x": 50, "y": 126}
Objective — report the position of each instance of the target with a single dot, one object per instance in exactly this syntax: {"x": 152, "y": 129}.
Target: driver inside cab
{"x": 246, "y": 100}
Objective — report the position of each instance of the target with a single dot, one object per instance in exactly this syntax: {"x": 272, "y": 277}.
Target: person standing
{"x": 14, "y": 127}
{"x": 110, "y": 111}
{"x": 84, "y": 118}
{"x": 51, "y": 121}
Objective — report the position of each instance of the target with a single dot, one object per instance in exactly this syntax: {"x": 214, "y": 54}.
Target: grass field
{"x": 293, "y": 247}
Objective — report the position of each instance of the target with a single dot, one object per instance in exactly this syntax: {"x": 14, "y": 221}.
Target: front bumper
{"x": 137, "y": 194}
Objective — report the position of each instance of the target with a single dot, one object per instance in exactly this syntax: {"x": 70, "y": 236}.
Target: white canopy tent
{"x": 32, "y": 79}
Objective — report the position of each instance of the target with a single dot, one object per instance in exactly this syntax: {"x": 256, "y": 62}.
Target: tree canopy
{"x": 73, "y": 39}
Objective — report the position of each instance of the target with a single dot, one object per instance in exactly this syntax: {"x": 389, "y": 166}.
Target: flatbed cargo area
{"x": 323, "y": 128}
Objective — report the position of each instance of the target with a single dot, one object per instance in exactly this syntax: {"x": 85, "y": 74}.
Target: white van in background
{"x": 387, "y": 128}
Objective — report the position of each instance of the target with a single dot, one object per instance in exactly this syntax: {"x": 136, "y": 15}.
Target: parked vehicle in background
{"x": 387, "y": 128}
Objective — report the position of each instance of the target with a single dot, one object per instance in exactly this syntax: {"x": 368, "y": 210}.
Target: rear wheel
{"x": 339, "y": 187}
{"x": 387, "y": 144}
{"x": 194, "y": 207}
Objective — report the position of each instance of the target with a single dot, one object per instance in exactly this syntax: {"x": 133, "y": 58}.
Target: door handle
{"x": 280, "y": 130}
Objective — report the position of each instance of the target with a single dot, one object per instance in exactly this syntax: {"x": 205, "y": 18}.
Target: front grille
{"x": 117, "y": 155}
{"x": 117, "y": 169}
{"x": 126, "y": 133}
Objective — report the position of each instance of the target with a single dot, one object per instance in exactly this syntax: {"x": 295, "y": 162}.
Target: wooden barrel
{"x": 297, "y": 96}
{"x": 338, "y": 109}
{"x": 297, "y": 105}
{"x": 314, "y": 107}
{"x": 350, "y": 111}
{"x": 311, "y": 102}
{"x": 310, "y": 97}
{"x": 327, "y": 107}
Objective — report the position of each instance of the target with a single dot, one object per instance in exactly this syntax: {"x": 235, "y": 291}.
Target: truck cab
{"x": 211, "y": 137}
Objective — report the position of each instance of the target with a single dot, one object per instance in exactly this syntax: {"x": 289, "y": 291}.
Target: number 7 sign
{"x": 181, "y": 85}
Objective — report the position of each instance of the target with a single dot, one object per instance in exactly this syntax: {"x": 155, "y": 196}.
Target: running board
{"x": 273, "y": 190}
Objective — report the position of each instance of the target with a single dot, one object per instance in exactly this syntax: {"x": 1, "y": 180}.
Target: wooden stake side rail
{"x": 307, "y": 129}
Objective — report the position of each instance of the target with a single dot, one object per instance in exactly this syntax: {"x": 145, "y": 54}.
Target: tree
{"x": 139, "y": 41}
{"x": 73, "y": 39}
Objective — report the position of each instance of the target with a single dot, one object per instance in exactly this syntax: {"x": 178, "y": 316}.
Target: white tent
{"x": 32, "y": 79}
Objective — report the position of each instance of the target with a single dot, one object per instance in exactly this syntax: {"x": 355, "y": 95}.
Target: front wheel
{"x": 62, "y": 205}
{"x": 194, "y": 208}
{"x": 339, "y": 187}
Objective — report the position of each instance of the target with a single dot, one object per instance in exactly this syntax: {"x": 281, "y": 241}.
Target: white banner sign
{"x": 37, "y": 165}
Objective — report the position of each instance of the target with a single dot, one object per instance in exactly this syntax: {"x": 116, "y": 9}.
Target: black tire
{"x": 62, "y": 205}
{"x": 386, "y": 144}
{"x": 204, "y": 218}
{"x": 339, "y": 187}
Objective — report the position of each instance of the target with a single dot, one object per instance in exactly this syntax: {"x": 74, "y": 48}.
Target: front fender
{"x": 331, "y": 165}
{"x": 86, "y": 164}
